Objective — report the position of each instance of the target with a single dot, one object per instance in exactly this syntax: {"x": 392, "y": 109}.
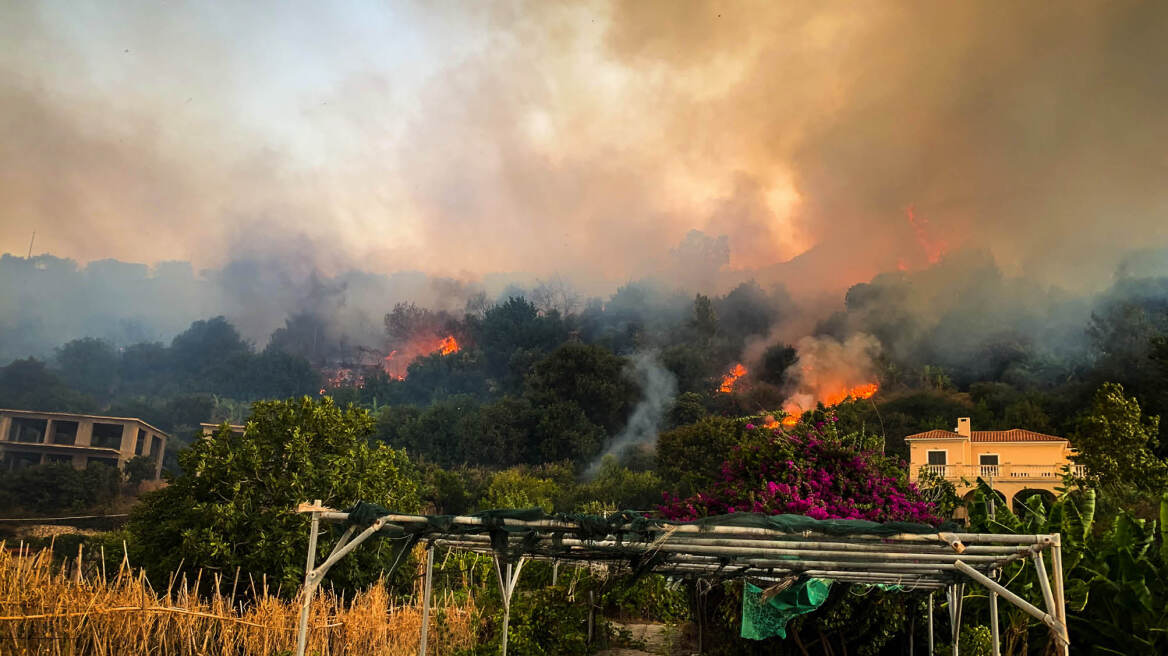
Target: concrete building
{"x": 33, "y": 438}
{"x": 1011, "y": 461}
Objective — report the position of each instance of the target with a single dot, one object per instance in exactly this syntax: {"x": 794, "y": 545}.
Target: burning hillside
{"x": 827, "y": 371}
{"x": 398, "y": 362}
{"x": 731, "y": 378}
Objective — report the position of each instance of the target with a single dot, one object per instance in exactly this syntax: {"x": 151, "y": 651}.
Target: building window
{"x": 31, "y": 431}
{"x": 64, "y": 432}
{"x": 988, "y": 464}
{"x": 108, "y": 462}
{"x": 57, "y": 459}
{"x": 141, "y": 442}
{"x": 20, "y": 459}
{"x": 107, "y": 436}
{"x": 155, "y": 446}
{"x": 938, "y": 457}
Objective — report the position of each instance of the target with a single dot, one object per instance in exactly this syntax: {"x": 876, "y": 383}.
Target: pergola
{"x": 771, "y": 549}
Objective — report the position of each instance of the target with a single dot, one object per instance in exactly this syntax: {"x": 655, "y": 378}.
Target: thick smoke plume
{"x": 829, "y": 371}
{"x": 658, "y": 390}
{"x": 588, "y": 139}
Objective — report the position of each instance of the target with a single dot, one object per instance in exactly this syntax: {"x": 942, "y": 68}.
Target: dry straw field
{"x": 78, "y": 609}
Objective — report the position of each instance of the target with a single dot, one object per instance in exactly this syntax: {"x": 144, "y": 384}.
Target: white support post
{"x": 309, "y": 583}
{"x": 426, "y": 587}
{"x": 930, "y": 624}
{"x": 1060, "y": 601}
{"x": 956, "y": 593}
{"x": 508, "y": 577}
{"x": 1044, "y": 583}
{"x": 997, "y": 648}
{"x": 315, "y": 575}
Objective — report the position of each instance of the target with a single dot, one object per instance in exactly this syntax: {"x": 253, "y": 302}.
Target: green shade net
{"x": 765, "y": 619}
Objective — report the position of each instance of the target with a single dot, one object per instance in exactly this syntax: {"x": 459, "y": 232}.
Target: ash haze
{"x": 588, "y": 139}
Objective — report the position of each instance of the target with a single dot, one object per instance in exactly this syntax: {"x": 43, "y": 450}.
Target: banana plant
{"x": 1116, "y": 581}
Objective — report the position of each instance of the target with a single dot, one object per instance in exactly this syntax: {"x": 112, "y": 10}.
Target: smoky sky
{"x": 588, "y": 139}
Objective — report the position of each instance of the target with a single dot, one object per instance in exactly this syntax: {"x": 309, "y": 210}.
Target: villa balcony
{"x": 1014, "y": 473}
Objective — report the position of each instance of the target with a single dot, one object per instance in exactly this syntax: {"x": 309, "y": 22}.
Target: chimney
{"x": 963, "y": 426}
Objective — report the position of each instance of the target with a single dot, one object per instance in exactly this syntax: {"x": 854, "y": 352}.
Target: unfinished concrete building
{"x": 29, "y": 438}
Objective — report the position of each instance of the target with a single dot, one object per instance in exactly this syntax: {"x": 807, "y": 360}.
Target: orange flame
{"x": 449, "y": 345}
{"x": 729, "y": 379}
{"x": 398, "y": 362}
{"x": 795, "y": 411}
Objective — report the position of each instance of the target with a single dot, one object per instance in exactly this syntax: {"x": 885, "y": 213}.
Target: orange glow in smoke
{"x": 729, "y": 379}
{"x": 934, "y": 248}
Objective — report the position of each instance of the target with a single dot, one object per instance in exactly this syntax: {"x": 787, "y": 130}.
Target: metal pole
{"x": 1044, "y": 584}
{"x": 930, "y": 624}
{"x": 1060, "y": 601}
{"x": 309, "y": 583}
{"x": 994, "y": 623}
{"x": 955, "y": 614}
{"x": 426, "y": 599}
{"x": 506, "y": 608}
{"x": 912, "y": 638}
{"x": 1027, "y": 607}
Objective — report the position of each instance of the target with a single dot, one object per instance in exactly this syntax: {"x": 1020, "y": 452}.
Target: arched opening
{"x": 1021, "y": 498}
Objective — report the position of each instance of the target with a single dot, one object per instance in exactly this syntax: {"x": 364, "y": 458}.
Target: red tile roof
{"x": 1012, "y": 435}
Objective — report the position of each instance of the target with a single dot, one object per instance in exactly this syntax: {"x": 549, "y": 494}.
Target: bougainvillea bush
{"x": 809, "y": 470}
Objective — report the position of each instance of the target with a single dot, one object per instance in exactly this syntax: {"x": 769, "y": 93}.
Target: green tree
{"x": 30, "y": 384}
{"x": 689, "y": 457}
{"x": 519, "y": 488}
{"x": 1115, "y": 443}
{"x": 513, "y": 335}
{"x": 775, "y": 362}
{"x": 704, "y": 321}
{"x": 89, "y": 365}
{"x": 208, "y": 353}
{"x": 139, "y": 468}
{"x": 233, "y": 505}
{"x": 590, "y": 376}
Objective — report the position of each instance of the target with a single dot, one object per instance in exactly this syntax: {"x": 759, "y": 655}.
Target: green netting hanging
{"x": 764, "y": 619}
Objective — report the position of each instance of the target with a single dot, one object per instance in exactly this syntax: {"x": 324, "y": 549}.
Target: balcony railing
{"x": 1004, "y": 472}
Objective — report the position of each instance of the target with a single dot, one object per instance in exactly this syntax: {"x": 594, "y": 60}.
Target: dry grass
{"x": 75, "y": 609}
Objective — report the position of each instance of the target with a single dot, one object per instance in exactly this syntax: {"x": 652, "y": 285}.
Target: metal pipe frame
{"x": 955, "y": 540}
{"x": 1057, "y": 628}
{"x": 928, "y": 561}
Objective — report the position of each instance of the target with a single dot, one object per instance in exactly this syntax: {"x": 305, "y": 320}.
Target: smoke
{"x": 658, "y": 389}
{"x": 537, "y": 139}
{"x": 829, "y": 370}
{"x": 48, "y": 301}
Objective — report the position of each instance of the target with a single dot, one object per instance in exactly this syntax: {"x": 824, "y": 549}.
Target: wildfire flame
{"x": 732, "y": 377}
{"x": 449, "y": 345}
{"x": 794, "y": 410}
{"x": 397, "y": 363}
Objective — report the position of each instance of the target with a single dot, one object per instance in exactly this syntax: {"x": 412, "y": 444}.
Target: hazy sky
{"x": 585, "y": 138}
